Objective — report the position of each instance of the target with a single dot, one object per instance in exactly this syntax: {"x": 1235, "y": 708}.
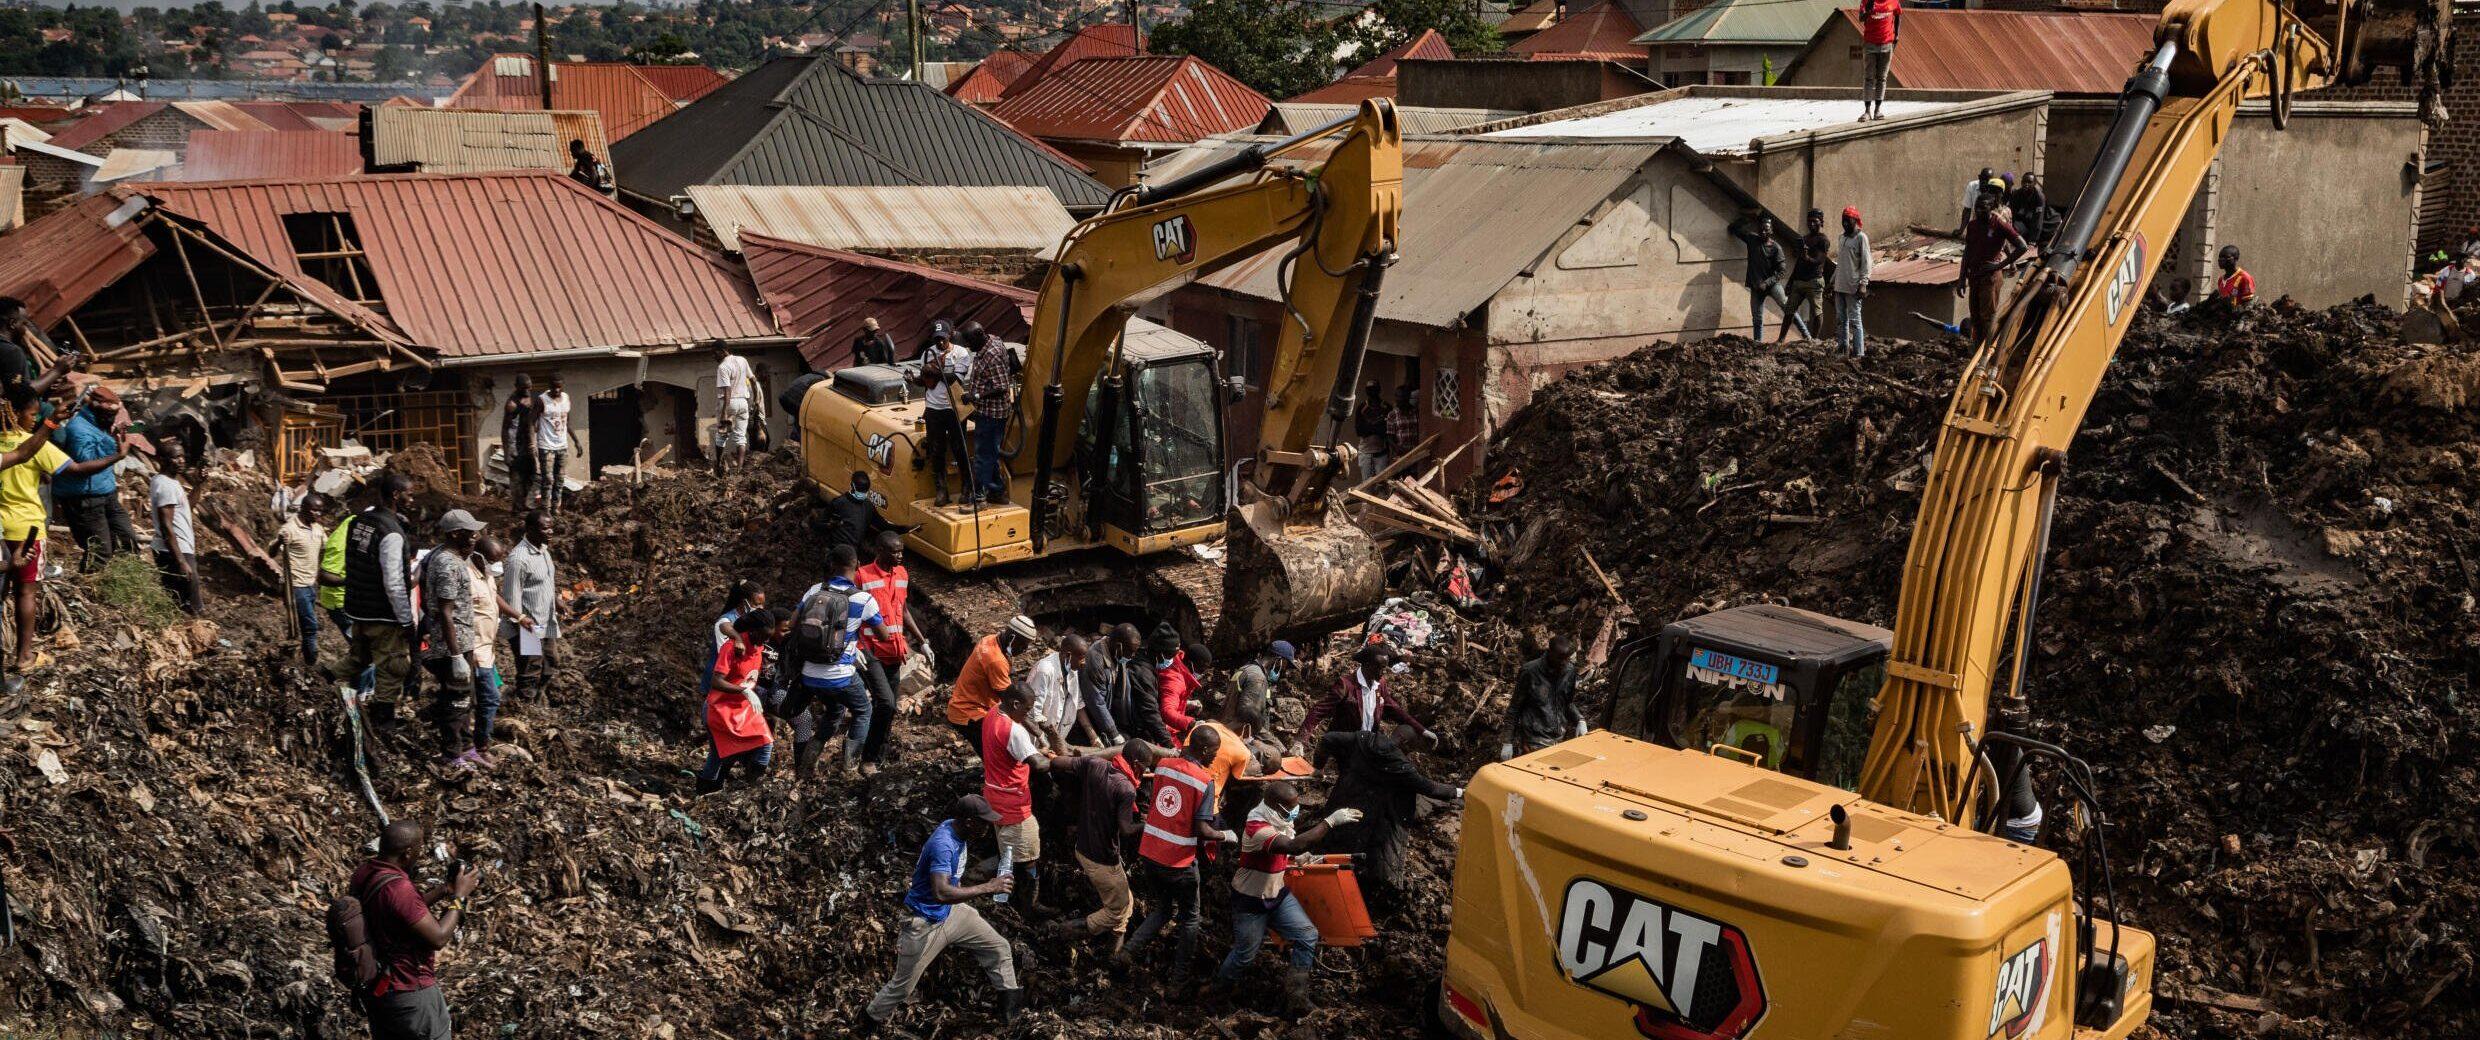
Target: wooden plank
{"x": 1402, "y": 462}
{"x": 1418, "y": 520}
{"x": 1430, "y": 500}
{"x": 1433, "y": 472}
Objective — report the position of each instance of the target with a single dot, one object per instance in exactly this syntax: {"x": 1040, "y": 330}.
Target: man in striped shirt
{"x": 888, "y": 584}
{"x": 835, "y": 685}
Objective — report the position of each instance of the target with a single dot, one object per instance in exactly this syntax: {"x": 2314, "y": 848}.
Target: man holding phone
{"x": 407, "y": 929}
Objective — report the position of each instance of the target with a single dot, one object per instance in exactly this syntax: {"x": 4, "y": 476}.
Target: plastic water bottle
{"x": 1007, "y": 865}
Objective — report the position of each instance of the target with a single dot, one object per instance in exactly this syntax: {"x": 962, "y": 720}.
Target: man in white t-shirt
{"x": 944, "y": 365}
{"x": 176, "y": 541}
{"x": 1058, "y": 691}
{"x": 551, "y": 440}
{"x": 733, "y": 379}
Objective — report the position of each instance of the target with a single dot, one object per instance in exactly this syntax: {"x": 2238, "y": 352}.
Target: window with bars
{"x": 1446, "y": 395}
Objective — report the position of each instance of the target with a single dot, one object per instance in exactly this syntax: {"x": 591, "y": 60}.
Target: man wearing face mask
{"x": 1254, "y": 683}
{"x": 1259, "y": 898}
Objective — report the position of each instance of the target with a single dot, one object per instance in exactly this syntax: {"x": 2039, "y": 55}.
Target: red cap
{"x": 1851, "y": 213}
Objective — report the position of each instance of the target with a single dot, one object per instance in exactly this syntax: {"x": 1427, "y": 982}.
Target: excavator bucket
{"x": 1279, "y": 578}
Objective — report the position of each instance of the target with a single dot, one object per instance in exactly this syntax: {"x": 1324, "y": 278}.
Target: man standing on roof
{"x": 734, "y": 381}
{"x": 1765, "y": 269}
{"x": 873, "y": 347}
{"x": 1990, "y": 246}
{"x": 944, "y": 366}
{"x": 1880, "y": 23}
{"x": 1852, "y": 263}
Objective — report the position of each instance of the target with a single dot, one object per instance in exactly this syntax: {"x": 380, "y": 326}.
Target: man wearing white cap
{"x": 449, "y": 636}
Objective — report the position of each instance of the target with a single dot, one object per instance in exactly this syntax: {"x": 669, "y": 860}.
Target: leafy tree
{"x": 1280, "y": 48}
{"x": 252, "y": 22}
{"x": 390, "y": 65}
{"x": 1396, "y": 21}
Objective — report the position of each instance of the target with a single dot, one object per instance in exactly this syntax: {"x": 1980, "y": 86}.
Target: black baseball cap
{"x": 973, "y": 806}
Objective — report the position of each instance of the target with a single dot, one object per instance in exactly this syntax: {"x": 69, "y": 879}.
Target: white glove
{"x": 1581, "y": 728}
{"x": 1506, "y": 751}
{"x": 1340, "y": 817}
{"x": 1430, "y": 735}
{"x": 1459, "y": 794}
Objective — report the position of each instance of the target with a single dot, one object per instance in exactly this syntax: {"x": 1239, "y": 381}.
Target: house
{"x": 1112, "y": 40}
{"x": 1604, "y": 31}
{"x": 1518, "y": 82}
{"x": 1117, "y": 114}
{"x": 448, "y": 140}
{"x": 78, "y": 157}
{"x": 1531, "y": 18}
{"x": 488, "y": 275}
{"x": 810, "y": 121}
{"x": 1375, "y": 78}
{"x": 1735, "y": 42}
{"x": 228, "y": 155}
{"x": 821, "y": 295}
{"x": 1288, "y": 118}
{"x": 989, "y": 78}
{"x": 2365, "y": 162}
{"x": 941, "y": 226}
{"x": 627, "y": 96}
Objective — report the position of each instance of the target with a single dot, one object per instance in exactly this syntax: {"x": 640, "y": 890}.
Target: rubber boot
{"x": 706, "y": 787}
{"x": 1296, "y": 999}
{"x": 1029, "y": 882}
{"x": 1011, "y": 1004}
{"x": 805, "y": 758}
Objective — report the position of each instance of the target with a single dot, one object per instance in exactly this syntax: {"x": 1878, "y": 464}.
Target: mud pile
{"x": 2258, "y": 621}
{"x": 170, "y": 868}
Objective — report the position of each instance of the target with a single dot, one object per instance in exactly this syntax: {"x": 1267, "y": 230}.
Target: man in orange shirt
{"x": 987, "y": 671}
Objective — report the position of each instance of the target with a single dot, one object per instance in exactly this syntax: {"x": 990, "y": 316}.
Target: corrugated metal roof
{"x": 1429, "y": 44}
{"x": 101, "y": 121}
{"x": 120, "y": 164}
{"x": 1350, "y": 90}
{"x": 272, "y": 115}
{"x": 1113, "y": 40}
{"x": 1476, "y": 214}
{"x": 967, "y": 219}
{"x": 1716, "y": 124}
{"x": 227, "y": 115}
{"x": 683, "y": 83}
{"x": 626, "y": 97}
{"x": 1602, "y": 31}
{"x": 13, "y": 131}
{"x": 1747, "y": 22}
{"x": 1294, "y": 118}
{"x": 12, "y": 197}
{"x": 1532, "y": 18}
{"x": 70, "y": 254}
{"x": 498, "y": 264}
{"x": 823, "y": 294}
{"x": 231, "y": 155}
{"x": 990, "y": 77}
{"x": 1155, "y": 98}
{"x": 809, "y": 120}
{"x": 1907, "y": 258}
{"x": 2061, "y": 52}
{"x": 444, "y": 140}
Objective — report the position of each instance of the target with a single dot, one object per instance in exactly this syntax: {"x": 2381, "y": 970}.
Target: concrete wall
{"x": 2452, "y": 195}
{"x": 1528, "y": 86}
{"x": 1681, "y": 65}
{"x": 1899, "y": 173}
{"x": 658, "y": 377}
{"x": 1832, "y": 60}
{"x": 2325, "y": 211}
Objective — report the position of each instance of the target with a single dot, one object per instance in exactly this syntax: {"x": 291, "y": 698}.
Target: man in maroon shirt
{"x": 407, "y": 936}
{"x": 1990, "y": 246}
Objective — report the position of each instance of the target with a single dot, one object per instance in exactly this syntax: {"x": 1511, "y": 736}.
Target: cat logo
{"x": 1175, "y": 240}
{"x": 1689, "y": 978}
{"x": 2022, "y": 981}
{"x": 882, "y": 449}
{"x": 2123, "y": 280}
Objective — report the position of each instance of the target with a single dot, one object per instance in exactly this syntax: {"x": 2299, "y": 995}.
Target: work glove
{"x": 1459, "y": 795}
{"x": 1581, "y": 728}
{"x": 1506, "y": 751}
{"x": 1340, "y": 817}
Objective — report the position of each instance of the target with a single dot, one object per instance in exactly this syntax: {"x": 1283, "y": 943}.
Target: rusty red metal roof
{"x": 823, "y": 294}
{"x": 682, "y": 83}
{"x": 1429, "y": 44}
{"x": 990, "y": 78}
{"x": 277, "y": 115}
{"x": 62, "y": 258}
{"x": 1602, "y": 31}
{"x": 1350, "y": 90}
{"x": 232, "y": 155}
{"x": 1093, "y": 41}
{"x": 2062, "y": 52}
{"x": 1156, "y": 98}
{"x": 101, "y": 121}
{"x": 497, "y": 264}
{"x": 626, "y": 97}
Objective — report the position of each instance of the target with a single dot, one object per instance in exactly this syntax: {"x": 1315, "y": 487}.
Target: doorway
{"x": 615, "y": 425}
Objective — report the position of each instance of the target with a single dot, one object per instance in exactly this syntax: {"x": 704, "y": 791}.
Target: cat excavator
{"x": 1115, "y": 452}
{"x": 1742, "y": 852}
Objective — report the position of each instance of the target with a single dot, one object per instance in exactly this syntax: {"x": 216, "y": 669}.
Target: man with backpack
{"x": 386, "y": 934}
{"x": 825, "y": 634}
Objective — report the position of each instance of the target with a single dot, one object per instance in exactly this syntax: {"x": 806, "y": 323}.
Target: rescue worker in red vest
{"x": 1259, "y": 898}
{"x": 1179, "y": 815}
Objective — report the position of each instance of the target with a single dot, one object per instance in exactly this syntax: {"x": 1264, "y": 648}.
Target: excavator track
{"x": 1079, "y": 591}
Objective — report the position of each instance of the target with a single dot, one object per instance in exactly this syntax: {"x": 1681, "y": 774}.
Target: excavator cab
{"x": 1154, "y": 436}
{"x": 1775, "y": 686}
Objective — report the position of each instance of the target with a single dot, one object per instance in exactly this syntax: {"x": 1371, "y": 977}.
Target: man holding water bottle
{"x": 1010, "y": 754}
{"x": 939, "y": 914}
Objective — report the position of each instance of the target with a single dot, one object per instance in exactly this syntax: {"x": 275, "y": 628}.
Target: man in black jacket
{"x": 378, "y": 592}
{"x": 1765, "y": 269}
{"x": 1377, "y": 778}
{"x": 873, "y": 347}
{"x": 1543, "y": 711}
{"x": 849, "y": 518}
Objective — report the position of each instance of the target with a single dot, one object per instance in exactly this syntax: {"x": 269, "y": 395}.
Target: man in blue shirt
{"x": 834, "y": 686}
{"x": 91, "y": 502}
{"x": 938, "y": 915}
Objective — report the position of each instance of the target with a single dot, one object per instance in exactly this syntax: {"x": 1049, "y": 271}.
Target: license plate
{"x": 1735, "y": 667}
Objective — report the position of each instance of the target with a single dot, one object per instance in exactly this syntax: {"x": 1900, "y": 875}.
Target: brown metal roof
{"x": 498, "y": 264}
{"x": 823, "y": 295}
{"x": 449, "y": 140}
{"x": 1476, "y": 214}
{"x": 1603, "y": 31}
{"x": 1429, "y": 44}
{"x": 990, "y": 77}
{"x": 2061, "y": 52}
{"x": 622, "y": 93}
{"x": 682, "y": 83}
{"x": 1350, "y": 90}
{"x": 66, "y": 256}
{"x": 1156, "y": 98}
{"x": 232, "y": 155}
{"x": 1112, "y": 40}
{"x": 101, "y": 121}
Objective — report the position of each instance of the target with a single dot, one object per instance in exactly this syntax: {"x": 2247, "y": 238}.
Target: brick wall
{"x": 2451, "y": 196}
{"x": 167, "y": 131}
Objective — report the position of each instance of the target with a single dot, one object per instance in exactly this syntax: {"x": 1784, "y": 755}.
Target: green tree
{"x": 252, "y": 22}
{"x": 390, "y": 65}
{"x": 1278, "y": 47}
{"x": 1397, "y": 21}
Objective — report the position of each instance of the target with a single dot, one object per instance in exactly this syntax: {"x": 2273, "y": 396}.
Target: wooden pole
{"x": 542, "y": 54}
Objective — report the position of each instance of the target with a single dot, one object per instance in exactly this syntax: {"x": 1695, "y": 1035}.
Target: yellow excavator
{"x": 1731, "y": 857}
{"x": 1116, "y": 449}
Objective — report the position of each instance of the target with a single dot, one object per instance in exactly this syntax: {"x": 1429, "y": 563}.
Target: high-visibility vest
{"x": 1180, "y": 787}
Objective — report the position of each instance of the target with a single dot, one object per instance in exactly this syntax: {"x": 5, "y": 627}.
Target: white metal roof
{"x": 1719, "y": 125}
{"x": 879, "y": 218}
{"x": 124, "y": 163}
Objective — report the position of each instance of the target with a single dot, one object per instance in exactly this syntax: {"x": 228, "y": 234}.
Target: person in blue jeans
{"x": 992, "y": 386}
{"x": 302, "y": 538}
{"x": 834, "y": 686}
{"x": 1259, "y": 898}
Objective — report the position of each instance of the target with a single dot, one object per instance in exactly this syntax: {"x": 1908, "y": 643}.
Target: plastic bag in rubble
{"x": 1407, "y": 624}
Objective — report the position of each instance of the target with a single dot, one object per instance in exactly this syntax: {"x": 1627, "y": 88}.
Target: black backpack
{"x": 819, "y": 633}
{"x": 357, "y": 966}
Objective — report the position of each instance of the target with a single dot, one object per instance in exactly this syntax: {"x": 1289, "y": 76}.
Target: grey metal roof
{"x": 73, "y": 87}
{"x": 1294, "y": 117}
{"x": 1476, "y": 214}
{"x": 886, "y": 219}
{"x": 810, "y": 120}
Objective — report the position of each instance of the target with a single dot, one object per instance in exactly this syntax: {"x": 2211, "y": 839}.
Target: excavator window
{"x": 1180, "y": 421}
{"x": 1724, "y": 699}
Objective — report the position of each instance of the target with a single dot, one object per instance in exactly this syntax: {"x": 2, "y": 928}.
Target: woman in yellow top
{"x": 28, "y": 459}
